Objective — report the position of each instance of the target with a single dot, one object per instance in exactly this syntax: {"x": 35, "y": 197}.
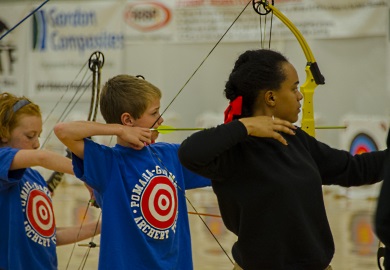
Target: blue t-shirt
{"x": 27, "y": 224}
{"x": 144, "y": 214}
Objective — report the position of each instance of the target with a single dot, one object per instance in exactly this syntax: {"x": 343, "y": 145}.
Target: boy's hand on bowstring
{"x": 136, "y": 137}
{"x": 268, "y": 127}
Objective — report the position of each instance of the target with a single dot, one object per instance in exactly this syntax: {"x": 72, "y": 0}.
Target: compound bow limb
{"x": 313, "y": 74}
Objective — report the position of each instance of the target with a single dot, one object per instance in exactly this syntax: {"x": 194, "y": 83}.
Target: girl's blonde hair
{"x": 11, "y": 108}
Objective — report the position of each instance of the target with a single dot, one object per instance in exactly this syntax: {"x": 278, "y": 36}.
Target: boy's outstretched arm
{"x": 72, "y": 134}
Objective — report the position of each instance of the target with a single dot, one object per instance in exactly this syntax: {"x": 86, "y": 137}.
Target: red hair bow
{"x": 234, "y": 108}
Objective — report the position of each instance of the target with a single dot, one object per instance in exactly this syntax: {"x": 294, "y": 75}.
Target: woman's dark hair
{"x": 254, "y": 71}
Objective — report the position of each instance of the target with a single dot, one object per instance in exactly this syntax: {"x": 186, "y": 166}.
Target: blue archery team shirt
{"x": 144, "y": 214}
{"x": 27, "y": 227}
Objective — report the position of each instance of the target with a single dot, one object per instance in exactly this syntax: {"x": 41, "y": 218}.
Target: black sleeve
{"x": 382, "y": 215}
{"x": 200, "y": 152}
{"x": 339, "y": 167}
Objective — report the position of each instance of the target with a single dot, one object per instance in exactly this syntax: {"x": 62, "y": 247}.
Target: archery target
{"x": 362, "y": 143}
{"x": 362, "y": 233}
{"x": 364, "y": 134}
{"x": 159, "y": 203}
{"x": 40, "y": 213}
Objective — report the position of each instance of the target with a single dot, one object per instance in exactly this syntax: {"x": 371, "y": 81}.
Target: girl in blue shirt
{"x": 28, "y": 232}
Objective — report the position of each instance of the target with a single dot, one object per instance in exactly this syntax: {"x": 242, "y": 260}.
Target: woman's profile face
{"x": 288, "y": 97}
{"x": 26, "y": 133}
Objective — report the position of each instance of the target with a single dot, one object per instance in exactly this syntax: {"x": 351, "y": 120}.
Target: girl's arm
{"x": 69, "y": 235}
{"x": 26, "y": 158}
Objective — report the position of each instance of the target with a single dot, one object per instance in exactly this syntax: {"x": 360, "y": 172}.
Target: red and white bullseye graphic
{"x": 40, "y": 213}
{"x": 159, "y": 203}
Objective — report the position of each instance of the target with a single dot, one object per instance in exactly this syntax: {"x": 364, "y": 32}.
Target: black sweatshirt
{"x": 270, "y": 195}
{"x": 382, "y": 215}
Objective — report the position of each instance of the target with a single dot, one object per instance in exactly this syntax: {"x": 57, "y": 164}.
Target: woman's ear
{"x": 127, "y": 119}
{"x": 270, "y": 98}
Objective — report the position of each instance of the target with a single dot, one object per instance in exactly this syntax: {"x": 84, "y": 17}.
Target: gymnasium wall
{"x": 46, "y": 56}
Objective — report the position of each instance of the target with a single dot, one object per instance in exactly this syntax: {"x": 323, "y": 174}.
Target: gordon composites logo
{"x": 74, "y": 30}
{"x": 39, "y": 31}
{"x": 37, "y": 206}
{"x": 155, "y": 204}
{"x": 147, "y": 16}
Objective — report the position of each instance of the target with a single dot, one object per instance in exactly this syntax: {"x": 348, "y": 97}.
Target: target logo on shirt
{"x": 39, "y": 221}
{"x": 155, "y": 205}
{"x": 40, "y": 213}
{"x": 159, "y": 203}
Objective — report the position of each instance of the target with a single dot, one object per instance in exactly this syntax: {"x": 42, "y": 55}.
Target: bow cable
{"x": 66, "y": 91}
{"x": 56, "y": 177}
{"x": 70, "y": 105}
{"x": 25, "y": 18}
{"x": 96, "y": 62}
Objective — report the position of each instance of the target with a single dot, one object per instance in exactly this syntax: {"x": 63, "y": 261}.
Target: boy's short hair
{"x": 126, "y": 93}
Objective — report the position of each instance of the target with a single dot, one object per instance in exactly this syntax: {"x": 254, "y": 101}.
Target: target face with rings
{"x": 40, "y": 213}
{"x": 159, "y": 203}
{"x": 362, "y": 143}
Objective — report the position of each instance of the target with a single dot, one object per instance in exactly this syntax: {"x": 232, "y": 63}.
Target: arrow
{"x": 168, "y": 129}
{"x": 330, "y": 127}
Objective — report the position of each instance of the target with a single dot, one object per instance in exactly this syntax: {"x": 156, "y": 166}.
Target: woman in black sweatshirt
{"x": 268, "y": 174}
{"x": 382, "y": 215}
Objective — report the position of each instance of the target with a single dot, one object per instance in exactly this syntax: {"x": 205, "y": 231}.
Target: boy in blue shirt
{"x": 141, "y": 184}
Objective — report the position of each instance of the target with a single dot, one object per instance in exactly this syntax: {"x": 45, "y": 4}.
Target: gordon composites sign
{"x": 77, "y": 29}
{"x": 64, "y": 36}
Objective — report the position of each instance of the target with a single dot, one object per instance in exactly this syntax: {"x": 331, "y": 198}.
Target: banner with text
{"x": 208, "y": 20}
{"x": 53, "y": 46}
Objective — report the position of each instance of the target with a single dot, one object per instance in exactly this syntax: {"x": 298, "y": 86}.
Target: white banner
{"x": 207, "y": 21}
{"x": 64, "y": 37}
{"x": 48, "y": 50}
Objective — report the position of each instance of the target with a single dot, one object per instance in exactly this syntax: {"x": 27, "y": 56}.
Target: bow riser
{"x": 307, "y": 90}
